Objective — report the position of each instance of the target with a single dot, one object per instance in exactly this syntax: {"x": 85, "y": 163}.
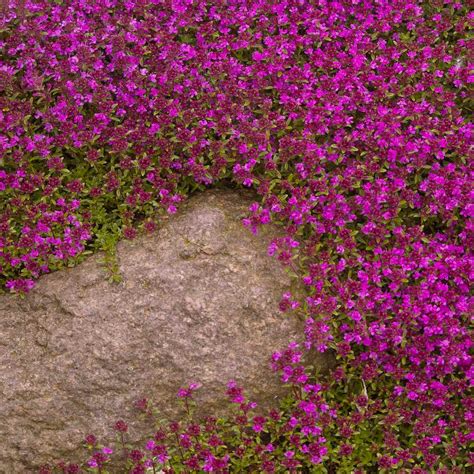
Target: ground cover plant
{"x": 350, "y": 118}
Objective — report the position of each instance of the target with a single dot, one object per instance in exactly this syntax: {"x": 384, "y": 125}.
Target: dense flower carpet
{"x": 349, "y": 118}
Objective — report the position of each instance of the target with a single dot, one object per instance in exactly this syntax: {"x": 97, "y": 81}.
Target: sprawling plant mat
{"x": 350, "y": 118}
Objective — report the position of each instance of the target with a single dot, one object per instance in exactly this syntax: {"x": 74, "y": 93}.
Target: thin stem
{"x": 181, "y": 454}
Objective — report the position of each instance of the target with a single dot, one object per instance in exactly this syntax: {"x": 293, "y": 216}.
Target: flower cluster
{"x": 349, "y": 118}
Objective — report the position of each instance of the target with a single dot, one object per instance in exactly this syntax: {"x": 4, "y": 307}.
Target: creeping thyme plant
{"x": 350, "y": 119}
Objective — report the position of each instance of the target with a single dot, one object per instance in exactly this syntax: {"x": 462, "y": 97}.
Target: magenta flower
{"x": 121, "y": 426}
{"x": 187, "y": 392}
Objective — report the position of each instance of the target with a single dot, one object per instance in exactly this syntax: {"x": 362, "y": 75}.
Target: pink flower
{"x": 150, "y": 444}
{"x": 187, "y": 392}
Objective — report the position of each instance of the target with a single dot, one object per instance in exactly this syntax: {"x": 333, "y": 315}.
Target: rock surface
{"x": 198, "y": 302}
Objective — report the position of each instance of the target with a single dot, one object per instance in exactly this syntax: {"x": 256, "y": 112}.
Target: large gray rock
{"x": 198, "y": 302}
